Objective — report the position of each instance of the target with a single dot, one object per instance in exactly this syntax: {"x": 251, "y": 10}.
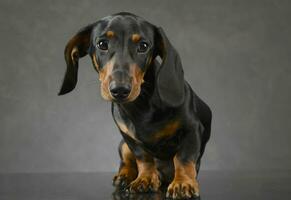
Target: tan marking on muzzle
{"x": 105, "y": 77}
{"x": 137, "y": 79}
{"x": 94, "y": 59}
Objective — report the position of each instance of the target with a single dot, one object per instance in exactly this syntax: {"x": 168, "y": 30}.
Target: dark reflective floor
{"x": 95, "y": 186}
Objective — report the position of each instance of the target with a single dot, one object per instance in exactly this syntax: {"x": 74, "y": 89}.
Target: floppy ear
{"x": 170, "y": 75}
{"x": 76, "y": 48}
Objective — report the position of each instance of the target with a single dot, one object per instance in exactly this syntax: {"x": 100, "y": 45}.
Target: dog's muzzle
{"x": 119, "y": 91}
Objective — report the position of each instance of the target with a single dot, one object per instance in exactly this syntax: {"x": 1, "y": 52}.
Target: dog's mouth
{"x": 124, "y": 93}
{"x": 121, "y": 86}
{"x": 120, "y": 93}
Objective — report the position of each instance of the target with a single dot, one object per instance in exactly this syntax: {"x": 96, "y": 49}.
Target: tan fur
{"x": 183, "y": 170}
{"x": 127, "y": 155}
{"x": 184, "y": 184}
{"x": 105, "y": 78}
{"x": 74, "y": 54}
{"x": 94, "y": 59}
{"x": 72, "y": 51}
{"x": 135, "y": 38}
{"x": 168, "y": 131}
{"x": 72, "y": 47}
{"x": 148, "y": 177}
{"x": 125, "y": 129}
{"x": 110, "y": 34}
{"x": 137, "y": 79}
{"x": 128, "y": 170}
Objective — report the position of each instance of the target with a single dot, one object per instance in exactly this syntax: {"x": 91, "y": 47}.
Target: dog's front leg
{"x": 184, "y": 184}
{"x": 148, "y": 177}
{"x": 128, "y": 168}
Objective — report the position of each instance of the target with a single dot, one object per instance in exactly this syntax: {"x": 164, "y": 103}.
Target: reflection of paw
{"x": 145, "y": 183}
{"x": 183, "y": 189}
{"x": 120, "y": 195}
{"x": 137, "y": 196}
{"x": 122, "y": 181}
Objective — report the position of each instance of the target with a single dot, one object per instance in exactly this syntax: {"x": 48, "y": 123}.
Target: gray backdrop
{"x": 236, "y": 55}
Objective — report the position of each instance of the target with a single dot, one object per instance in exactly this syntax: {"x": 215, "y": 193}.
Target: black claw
{"x": 123, "y": 183}
{"x": 113, "y": 181}
{"x": 140, "y": 188}
{"x": 151, "y": 189}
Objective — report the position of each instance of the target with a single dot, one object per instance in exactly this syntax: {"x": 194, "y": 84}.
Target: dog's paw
{"x": 124, "y": 177}
{"x": 145, "y": 183}
{"x": 183, "y": 189}
{"x": 122, "y": 181}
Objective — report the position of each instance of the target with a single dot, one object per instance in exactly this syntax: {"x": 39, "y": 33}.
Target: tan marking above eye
{"x": 135, "y": 38}
{"x": 110, "y": 34}
{"x": 104, "y": 77}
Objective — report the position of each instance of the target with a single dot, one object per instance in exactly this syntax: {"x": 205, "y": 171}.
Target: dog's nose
{"x": 119, "y": 91}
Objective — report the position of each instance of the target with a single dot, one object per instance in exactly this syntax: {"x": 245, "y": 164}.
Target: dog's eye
{"x": 102, "y": 44}
{"x": 142, "y": 47}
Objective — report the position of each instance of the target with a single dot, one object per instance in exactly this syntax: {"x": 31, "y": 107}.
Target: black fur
{"x": 165, "y": 95}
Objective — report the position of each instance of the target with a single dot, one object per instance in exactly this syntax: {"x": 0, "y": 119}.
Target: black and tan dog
{"x": 164, "y": 124}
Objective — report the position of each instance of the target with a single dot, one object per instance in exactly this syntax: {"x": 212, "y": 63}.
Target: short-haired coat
{"x": 164, "y": 124}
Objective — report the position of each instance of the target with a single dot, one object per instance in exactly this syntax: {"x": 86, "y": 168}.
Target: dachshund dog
{"x": 164, "y": 124}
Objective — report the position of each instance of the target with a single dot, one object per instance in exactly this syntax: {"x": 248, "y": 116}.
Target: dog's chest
{"x": 147, "y": 131}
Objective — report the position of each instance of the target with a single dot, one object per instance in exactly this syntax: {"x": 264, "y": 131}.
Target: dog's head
{"x": 122, "y": 48}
